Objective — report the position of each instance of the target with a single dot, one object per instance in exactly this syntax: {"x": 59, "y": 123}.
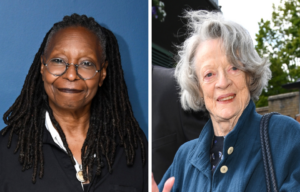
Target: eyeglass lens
{"x": 85, "y": 69}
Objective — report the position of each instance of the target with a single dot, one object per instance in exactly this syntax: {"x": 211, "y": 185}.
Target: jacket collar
{"x": 200, "y": 154}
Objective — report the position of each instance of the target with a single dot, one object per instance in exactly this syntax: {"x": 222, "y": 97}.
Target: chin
{"x": 69, "y": 105}
{"x": 228, "y": 114}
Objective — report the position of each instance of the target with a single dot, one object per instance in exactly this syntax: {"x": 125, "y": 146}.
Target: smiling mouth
{"x": 230, "y": 97}
{"x": 70, "y": 90}
{"x": 226, "y": 98}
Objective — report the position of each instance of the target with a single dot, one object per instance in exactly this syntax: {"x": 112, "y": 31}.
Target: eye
{"x": 234, "y": 68}
{"x": 57, "y": 60}
{"x": 208, "y": 75}
{"x": 86, "y": 64}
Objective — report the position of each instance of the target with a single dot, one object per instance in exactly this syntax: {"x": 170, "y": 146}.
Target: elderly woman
{"x": 72, "y": 126}
{"x": 220, "y": 70}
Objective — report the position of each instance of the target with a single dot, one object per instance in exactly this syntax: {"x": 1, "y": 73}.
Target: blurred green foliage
{"x": 158, "y": 10}
{"x": 279, "y": 39}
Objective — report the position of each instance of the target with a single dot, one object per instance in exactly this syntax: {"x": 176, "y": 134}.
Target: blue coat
{"x": 191, "y": 166}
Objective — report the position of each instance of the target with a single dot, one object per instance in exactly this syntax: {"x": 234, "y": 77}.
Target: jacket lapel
{"x": 199, "y": 156}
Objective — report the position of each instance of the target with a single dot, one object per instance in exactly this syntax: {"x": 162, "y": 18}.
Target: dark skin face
{"x": 69, "y": 91}
{"x": 70, "y": 97}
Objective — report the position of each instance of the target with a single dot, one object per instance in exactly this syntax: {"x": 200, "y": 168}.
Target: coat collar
{"x": 200, "y": 154}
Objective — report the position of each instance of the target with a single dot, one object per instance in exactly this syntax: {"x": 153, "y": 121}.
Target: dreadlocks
{"x": 111, "y": 122}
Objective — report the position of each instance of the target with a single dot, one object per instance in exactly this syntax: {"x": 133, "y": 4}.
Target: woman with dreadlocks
{"x": 72, "y": 125}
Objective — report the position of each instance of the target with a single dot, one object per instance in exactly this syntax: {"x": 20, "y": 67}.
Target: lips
{"x": 66, "y": 90}
{"x": 226, "y": 97}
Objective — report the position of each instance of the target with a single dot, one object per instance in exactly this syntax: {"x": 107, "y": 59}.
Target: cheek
{"x": 92, "y": 88}
{"x": 242, "y": 87}
{"x": 48, "y": 83}
{"x": 241, "y": 84}
{"x": 47, "y": 77}
{"x": 245, "y": 93}
{"x": 207, "y": 91}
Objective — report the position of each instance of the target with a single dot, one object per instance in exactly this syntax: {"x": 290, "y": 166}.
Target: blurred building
{"x": 286, "y": 104}
{"x": 172, "y": 31}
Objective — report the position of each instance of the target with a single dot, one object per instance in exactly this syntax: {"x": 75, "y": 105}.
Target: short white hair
{"x": 239, "y": 48}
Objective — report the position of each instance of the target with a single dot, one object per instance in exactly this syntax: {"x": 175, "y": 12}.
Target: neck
{"x": 74, "y": 123}
{"x": 223, "y": 126}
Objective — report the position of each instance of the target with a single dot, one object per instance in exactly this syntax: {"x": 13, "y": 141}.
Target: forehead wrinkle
{"x": 64, "y": 49}
{"x": 87, "y": 51}
{"x": 72, "y": 40}
{"x": 211, "y": 55}
{"x": 64, "y": 36}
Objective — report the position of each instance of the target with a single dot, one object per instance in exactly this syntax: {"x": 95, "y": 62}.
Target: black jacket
{"x": 59, "y": 173}
{"x": 171, "y": 125}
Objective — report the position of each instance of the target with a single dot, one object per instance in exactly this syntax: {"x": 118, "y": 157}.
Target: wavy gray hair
{"x": 239, "y": 48}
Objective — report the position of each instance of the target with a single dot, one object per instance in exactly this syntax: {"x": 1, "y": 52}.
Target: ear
{"x": 42, "y": 66}
{"x": 103, "y": 73}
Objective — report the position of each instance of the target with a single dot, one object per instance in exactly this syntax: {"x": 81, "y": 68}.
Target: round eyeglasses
{"x": 85, "y": 70}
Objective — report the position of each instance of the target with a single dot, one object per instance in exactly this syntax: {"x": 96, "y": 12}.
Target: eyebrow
{"x": 207, "y": 65}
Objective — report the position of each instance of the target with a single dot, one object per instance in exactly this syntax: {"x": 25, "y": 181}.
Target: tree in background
{"x": 279, "y": 39}
{"x": 158, "y": 10}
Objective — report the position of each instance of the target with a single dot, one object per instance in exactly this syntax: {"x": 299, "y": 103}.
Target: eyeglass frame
{"x": 76, "y": 68}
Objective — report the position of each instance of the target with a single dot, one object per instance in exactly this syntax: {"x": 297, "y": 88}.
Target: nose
{"x": 223, "y": 80}
{"x": 71, "y": 73}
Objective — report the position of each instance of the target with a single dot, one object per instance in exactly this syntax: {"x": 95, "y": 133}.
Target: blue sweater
{"x": 192, "y": 169}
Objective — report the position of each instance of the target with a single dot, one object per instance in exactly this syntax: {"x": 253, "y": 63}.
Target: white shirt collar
{"x": 57, "y": 139}
{"x": 55, "y": 135}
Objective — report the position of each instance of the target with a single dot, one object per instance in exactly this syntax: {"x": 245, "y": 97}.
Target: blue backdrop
{"x": 25, "y": 23}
